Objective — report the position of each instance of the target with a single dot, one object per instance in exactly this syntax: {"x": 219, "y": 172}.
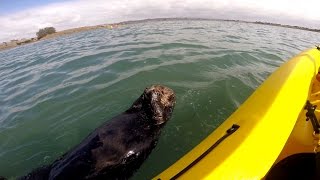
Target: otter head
{"x": 157, "y": 102}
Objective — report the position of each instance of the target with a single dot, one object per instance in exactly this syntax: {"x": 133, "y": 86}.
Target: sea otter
{"x": 119, "y": 146}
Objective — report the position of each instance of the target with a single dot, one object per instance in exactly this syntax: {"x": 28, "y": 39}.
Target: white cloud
{"x": 71, "y": 14}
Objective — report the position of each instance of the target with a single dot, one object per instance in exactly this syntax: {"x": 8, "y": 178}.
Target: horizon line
{"x": 186, "y": 18}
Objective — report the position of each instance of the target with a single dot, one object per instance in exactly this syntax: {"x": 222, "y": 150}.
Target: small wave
{"x": 56, "y": 89}
{"x": 193, "y": 28}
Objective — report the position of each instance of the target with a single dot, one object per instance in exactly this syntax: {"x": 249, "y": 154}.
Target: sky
{"x": 23, "y": 18}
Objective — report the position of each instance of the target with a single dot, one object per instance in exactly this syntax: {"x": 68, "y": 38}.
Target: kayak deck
{"x": 272, "y": 126}
{"x": 302, "y": 139}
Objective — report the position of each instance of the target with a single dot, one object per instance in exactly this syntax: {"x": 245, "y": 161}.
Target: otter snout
{"x": 162, "y": 101}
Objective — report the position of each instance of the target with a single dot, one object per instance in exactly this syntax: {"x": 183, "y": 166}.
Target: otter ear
{"x": 146, "y": 92}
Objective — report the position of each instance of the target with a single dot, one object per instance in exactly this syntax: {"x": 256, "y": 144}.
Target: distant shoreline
{"x": 15, "y": 43}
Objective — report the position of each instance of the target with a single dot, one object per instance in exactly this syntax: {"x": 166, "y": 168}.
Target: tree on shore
{"x": 45, "y": 31}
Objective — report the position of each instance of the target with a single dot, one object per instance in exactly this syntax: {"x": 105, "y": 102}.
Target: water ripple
{"x": 54, "y": 92}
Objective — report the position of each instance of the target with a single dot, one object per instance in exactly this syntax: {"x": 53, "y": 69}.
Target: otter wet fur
{"x": 117, "y": 148}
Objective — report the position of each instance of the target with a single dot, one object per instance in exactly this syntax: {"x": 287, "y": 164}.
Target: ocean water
{"x": 53, "y": 93}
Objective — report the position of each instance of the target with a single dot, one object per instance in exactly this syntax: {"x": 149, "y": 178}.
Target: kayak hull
{"x": 272, "y": 126}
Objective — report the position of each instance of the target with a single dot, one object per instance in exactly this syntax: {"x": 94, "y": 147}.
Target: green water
{"x": 54, "y": 92}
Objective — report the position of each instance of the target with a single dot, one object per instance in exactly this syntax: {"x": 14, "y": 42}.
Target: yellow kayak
{"x": 268, "y": 127}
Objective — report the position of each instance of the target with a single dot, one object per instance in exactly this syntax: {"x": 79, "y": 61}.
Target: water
{"x": 54, "y": 92}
